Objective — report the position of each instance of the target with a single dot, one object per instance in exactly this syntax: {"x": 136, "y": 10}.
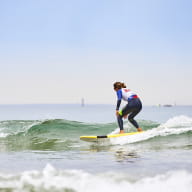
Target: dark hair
{"x": 119, "y": 85}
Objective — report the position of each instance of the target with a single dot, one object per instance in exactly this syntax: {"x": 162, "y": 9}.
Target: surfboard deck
{"x": 94, "y": 138}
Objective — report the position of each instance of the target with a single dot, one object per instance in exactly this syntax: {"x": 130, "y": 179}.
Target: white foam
{"x": 176, "y": 125}
{"x": 179, "y": 121}
{"x": 52, "y": 180}
{"x": 3, "y": 135}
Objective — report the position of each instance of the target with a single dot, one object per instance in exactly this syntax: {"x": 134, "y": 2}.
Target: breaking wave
{"x": 52, "y": 180}
{"x": 60, "y": 134}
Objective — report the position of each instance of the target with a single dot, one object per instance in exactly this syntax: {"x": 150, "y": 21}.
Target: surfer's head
{"x": 118, "y": 85}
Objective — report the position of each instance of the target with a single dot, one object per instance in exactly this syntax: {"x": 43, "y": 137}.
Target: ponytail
{"x": 123, "y": 85}
{"x": 119, "y": 85}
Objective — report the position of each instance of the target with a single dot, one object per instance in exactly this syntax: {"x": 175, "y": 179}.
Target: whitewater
{"x": 40, "y": 149}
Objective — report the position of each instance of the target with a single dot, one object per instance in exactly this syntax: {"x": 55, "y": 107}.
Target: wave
{"x": 52, "y": 134}
{"x": 53, "y": 128}
{"x": 53, "y": 180}
{"x": 60, "y": 134}
{"x": 180, "y": 125}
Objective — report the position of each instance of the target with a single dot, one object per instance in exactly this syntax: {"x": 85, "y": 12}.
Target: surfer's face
{"x": 115, "y": 89}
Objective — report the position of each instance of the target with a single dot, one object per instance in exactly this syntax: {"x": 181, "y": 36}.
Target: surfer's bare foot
{"x": 139, "y": 129}
{"x": 122, "y": 131}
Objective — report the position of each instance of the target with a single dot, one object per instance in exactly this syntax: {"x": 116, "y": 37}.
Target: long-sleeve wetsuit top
{"x": 126, "y": 95}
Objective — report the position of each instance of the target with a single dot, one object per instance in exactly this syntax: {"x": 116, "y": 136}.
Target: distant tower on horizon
{"x": 82, "y": 102}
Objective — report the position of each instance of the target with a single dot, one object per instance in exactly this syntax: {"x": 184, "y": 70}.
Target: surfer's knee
{"x": 130, "y": 119}
{"x": 133, "y": 122}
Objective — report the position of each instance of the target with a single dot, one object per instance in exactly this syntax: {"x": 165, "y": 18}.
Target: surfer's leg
{"x": 122, "y": 114}
{"x": 132, "y": 120}
{"x": 120, "y": 123}
{"x": 133, "y": 108}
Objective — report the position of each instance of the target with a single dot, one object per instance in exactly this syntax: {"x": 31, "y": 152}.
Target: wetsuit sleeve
{"x": 118, "y": 104}
{"x": 119, "y": 97}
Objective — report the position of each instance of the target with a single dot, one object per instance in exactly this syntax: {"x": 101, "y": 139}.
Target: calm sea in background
{"x": 40, "y": 149}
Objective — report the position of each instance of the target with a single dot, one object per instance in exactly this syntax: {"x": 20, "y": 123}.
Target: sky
{"x": 60, "y": 51}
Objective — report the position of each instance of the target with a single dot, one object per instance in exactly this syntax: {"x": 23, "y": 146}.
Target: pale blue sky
{"x": 60, "y": 51}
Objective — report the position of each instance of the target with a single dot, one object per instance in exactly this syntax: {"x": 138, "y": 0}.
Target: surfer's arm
{"x": 119, "y": 97}
{"x": 118, "y": 105}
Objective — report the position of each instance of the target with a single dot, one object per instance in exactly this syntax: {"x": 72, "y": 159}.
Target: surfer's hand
{"x": 117, "y": 113}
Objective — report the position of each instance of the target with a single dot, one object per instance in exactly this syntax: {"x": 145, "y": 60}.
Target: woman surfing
{"x": 131, "y": 109}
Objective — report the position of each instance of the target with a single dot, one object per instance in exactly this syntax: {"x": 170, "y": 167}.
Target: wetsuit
{"x": 132, "y": 108}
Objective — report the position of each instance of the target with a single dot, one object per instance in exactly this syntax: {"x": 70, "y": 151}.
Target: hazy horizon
{"x": 60, "y": 51}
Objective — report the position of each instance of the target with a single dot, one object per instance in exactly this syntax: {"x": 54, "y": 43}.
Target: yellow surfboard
{"x": 93, "y": 138}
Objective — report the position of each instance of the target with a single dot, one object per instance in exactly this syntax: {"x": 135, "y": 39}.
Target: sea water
{"x": 40, "y": 149}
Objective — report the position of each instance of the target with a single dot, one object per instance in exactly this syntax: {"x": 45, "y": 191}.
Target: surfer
{"x": 131, "y": 109}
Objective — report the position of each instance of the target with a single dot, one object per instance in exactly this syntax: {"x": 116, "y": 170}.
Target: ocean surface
{"x": 40, "y": 150}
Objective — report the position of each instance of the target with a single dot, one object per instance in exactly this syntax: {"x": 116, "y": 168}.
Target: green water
{"x": 51, "y": 147}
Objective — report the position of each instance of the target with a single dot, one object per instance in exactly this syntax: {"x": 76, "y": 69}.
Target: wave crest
{"x": 175, "y": 126}
{"x": 53, "y": 180}
{"x": 60, "y": 134}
